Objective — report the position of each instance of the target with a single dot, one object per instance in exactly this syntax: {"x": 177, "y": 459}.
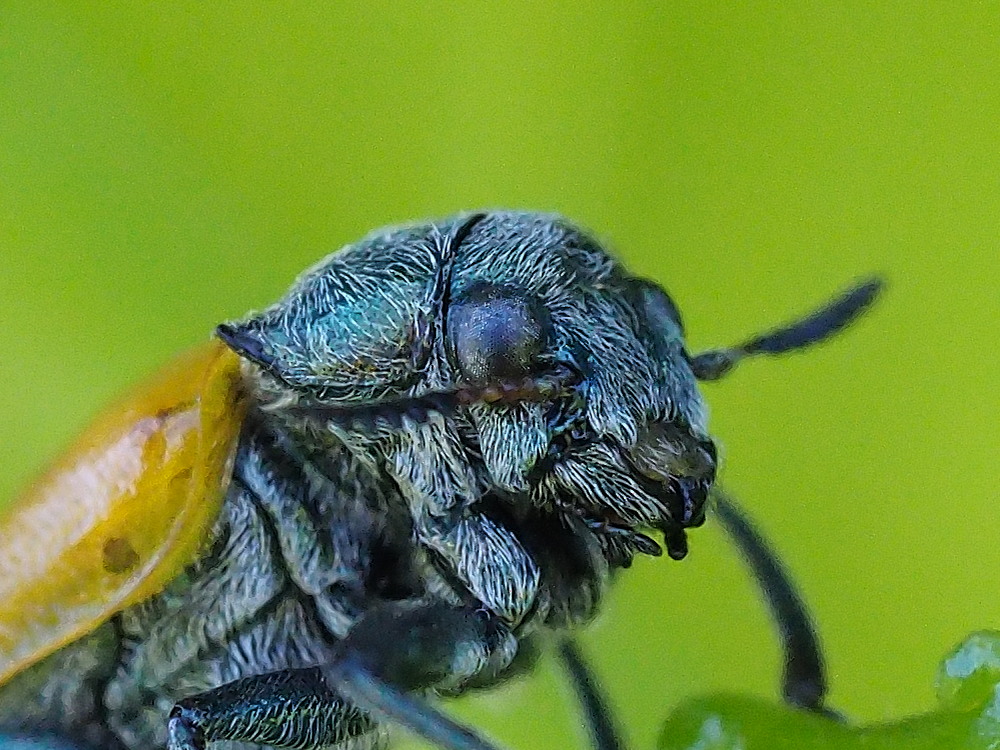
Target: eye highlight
{"x": 496, "y": 333}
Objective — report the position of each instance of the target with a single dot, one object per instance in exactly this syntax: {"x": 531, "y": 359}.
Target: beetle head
{"x": 503, "y": 355}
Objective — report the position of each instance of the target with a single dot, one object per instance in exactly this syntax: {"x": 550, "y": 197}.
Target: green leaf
{"x": 968, "y": 718}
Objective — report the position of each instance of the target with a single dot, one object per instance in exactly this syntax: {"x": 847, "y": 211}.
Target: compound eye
{"x": 659, "y": 309}
{"x": 497, "y": 333}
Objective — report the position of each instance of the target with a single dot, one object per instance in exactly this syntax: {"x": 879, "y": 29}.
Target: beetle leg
{"x": 604, "y": 734}
{"x": 413, "y": 647}
{"x": 394, "y": 649}
{"x": 803, "y": 682}
{"x": 290, "y": 708}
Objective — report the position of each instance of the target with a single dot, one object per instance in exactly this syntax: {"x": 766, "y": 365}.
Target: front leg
{"x": 290, "y": 708}
{"x": 393, "y": 650}
{"x": 481, "y": 557}
{"x": 486, "y": 560}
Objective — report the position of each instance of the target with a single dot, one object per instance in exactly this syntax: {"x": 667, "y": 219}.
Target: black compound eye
{"x": 497, "y": 333}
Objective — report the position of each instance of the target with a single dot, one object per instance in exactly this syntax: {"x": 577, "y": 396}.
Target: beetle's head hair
{"x": 500, "y": 354}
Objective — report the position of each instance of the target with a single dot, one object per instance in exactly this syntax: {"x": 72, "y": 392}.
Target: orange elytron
{"x": 120, "y": 515}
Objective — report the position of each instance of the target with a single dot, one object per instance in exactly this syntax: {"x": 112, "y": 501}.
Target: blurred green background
{"x": 166, "y": 168}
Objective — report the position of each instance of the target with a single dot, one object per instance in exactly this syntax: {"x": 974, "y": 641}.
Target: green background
{"x": 166, "y": 168}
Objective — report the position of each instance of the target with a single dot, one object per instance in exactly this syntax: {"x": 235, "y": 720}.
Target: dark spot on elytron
{"x": 119, "y": 555}
{"x": 159, "y": 420}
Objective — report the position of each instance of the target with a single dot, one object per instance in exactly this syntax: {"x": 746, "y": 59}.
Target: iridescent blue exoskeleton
{"x": 459, "y": 429}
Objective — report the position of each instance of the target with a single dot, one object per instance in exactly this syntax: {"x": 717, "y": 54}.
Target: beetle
{"x": 440, "y": 443}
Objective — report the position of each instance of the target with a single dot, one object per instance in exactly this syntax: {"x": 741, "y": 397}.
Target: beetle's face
{"x": 507, "y": 300}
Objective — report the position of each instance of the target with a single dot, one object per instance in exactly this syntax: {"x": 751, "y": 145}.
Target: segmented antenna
{"x": 812, "y": 329}
{"x": 391, "y": 413}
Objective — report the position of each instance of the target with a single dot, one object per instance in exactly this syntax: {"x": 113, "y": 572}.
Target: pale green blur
{"x": 165, "y": 167}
